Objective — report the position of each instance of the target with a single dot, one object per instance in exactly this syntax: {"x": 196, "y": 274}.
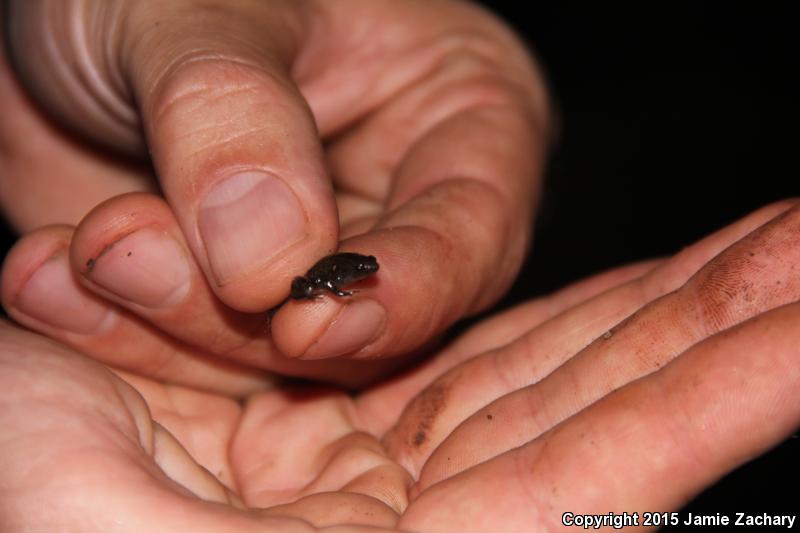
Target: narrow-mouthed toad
{"x": 332, "y": 273}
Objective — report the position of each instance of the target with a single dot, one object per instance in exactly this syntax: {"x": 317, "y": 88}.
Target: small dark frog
{"x": 332, "y": 273}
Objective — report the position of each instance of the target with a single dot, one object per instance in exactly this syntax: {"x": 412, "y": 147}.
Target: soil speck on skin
{"x": 92, "y": 261}
{"x": 427, "y": 408}
{"x": 489, "y": 417}
{"x": 607, "y": 335}
{"x": 130, "y": 254}
{"x": 751, "y": 254}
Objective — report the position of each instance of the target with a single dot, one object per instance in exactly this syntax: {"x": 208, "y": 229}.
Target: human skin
{"x": 413, "y": 131}
{"x": 698, "y": 374}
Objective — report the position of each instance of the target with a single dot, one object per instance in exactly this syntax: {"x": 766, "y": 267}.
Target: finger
{"x": 356, "y": 463}
{"x": 46, "y": 175}
{"x": 234, "y": 145}
{"x": 130, "y": 251}
{"x": 39, "y": 291}
{"x": 734, "y": 393}
{"x": 381, "y": 405}
{"x": 455, "y": 158}
{"x": 335, "y": 455}
{"x": 506, "y": 327}
{"x": 464, "y": 390}
{"x": 750, "y": 277}
{"x": 332, "y": 509}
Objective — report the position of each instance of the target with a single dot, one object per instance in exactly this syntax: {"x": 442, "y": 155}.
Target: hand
{"x": 144, "y": 456}
{"x": 492, "y": 440}
{"x": 279, "y": 132}
{"x": 84, "y": 452}
{"x": 634, "y": 400}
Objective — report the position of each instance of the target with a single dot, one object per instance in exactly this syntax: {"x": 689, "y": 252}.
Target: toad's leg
{"x": 340, "y": 292}
{"x": 337, "y": 291}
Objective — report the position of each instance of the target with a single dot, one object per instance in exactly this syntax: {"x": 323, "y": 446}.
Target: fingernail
{"x": 247, "y": 219}
{"x": 54, "y": 297}
{"x": 359, "y": 323}
{"x": 146, "y": 267}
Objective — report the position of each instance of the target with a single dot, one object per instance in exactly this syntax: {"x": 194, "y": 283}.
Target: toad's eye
{"x": 301, "y": 288}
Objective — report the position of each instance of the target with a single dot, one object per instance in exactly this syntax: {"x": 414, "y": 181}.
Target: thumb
{"x": 232, "y": 140}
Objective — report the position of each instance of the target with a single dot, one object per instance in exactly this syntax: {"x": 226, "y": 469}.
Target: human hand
{"x": 85, "y": 451}
{"x": 413, "y": 131}
{"x": 285, "y": 459}
{"x": 485, "y": 445}
{"x": 610, "y": 413}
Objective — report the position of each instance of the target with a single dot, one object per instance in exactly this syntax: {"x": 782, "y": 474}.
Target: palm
{"x": 269, "y": 449}
{"x": 93, "y": 434}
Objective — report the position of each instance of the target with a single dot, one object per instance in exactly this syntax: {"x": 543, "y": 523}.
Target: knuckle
{"x": 466, "y": 81}
{"x": 194, "y": 106}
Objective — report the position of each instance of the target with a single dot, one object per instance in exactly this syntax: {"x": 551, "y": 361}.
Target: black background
{"x": 676, "y": 119}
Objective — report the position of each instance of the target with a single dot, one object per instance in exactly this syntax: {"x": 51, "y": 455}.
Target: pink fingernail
{"x": 54, "y": 297}
{"x": 245, "y": 221}
{"x": 146, "y": 267}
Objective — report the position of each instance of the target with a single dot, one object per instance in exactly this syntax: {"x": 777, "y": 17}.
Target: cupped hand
{"x": 278, "y": 133}
{"x": 94, "y": 450}
{"x": 110, "y": 450}
{"x": 627, "y": 392}
{"x": 85, "y": 451}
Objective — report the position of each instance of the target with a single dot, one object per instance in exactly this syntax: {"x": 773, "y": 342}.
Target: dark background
{"x": 676, "y": 119}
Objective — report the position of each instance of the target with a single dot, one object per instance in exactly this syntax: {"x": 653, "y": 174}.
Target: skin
{"x": 338, "y": 110}
{"x": 717, "y": 389}
{"x": 182, "y": 440}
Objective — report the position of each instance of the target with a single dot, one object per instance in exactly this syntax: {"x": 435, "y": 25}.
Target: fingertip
{"x": 247, "y": 220}
{"x": 268, "y": 283}
{"x": 339, "y": 329}
{"x": 142, "y": 228}
{"x": 393, "y": 312}
{"x": 296, "y": 325}
{"x": 256, "y": 230}
{"x": 26, "y": 255}
{"x": 39, "y": 290}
